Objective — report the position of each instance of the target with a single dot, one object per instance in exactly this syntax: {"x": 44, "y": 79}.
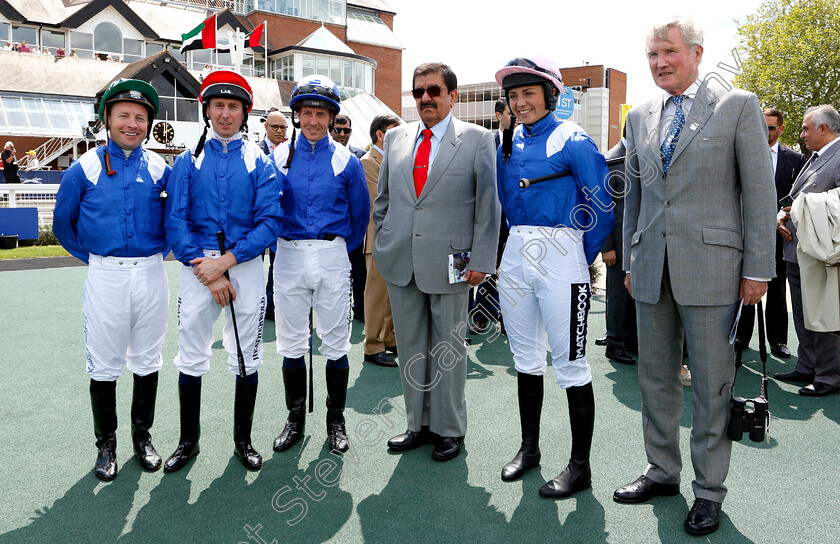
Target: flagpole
{"x": 265, "y": 47}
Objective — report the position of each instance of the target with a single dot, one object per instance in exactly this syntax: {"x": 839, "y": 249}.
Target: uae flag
{"x": 201, "y": 37}
{"x": 252, "y": 39}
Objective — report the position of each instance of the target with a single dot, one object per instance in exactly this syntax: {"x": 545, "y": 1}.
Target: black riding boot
{"x": 577, "y": 475}
{"x": 103, "y": 401}
{"x": 190, "y": 400}
{"x": 294, "y": 382}
{"x": 530, "y": 392}
{"x": 142, "y": 418}
{"x": 243, "y": 417}
{"x": 336, "y": 397}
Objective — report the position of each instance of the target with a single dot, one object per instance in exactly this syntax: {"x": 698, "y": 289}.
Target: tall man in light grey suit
{"x": 818, "y": 356}
{"x": 449, "y": 207}
{"x": 698, "y": 236}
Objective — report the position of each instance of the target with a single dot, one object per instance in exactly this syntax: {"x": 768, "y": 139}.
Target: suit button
{"x": 663, "y": 234}
{"x": 667, "y": 203}
{"x": 418, "y": 236}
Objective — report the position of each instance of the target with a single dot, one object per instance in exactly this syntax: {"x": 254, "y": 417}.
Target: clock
{"x": 163, "y": 132}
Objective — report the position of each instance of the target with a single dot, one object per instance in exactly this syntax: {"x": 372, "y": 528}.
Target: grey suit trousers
{"x": 430, "y": 331}
{"x": 712, "y": 361}
{"x": 819, "y": 352}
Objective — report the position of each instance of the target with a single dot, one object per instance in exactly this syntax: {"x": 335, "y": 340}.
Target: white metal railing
{"x": 49, "y": 151}
{"x": 25, "y": 195}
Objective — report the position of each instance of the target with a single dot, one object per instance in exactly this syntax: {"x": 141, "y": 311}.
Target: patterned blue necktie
{"x": 670, "y": 143}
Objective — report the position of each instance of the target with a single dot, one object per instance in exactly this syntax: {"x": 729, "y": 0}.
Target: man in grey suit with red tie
{"x": 818, "y": 363}
{"x": 786, "y": 164}
{"x": 698, "y": 237}
{"x": 437, "y": 198}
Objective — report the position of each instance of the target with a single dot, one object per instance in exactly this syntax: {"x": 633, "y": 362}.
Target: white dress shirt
{"x": 438, "y": 131}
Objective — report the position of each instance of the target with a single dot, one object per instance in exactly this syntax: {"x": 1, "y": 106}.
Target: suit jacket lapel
{"x": 701, "y": 111}
{"x": 405, "y": 143}
{"x": 652, "y": 132}
{"x": 808, "y": 171}
{"x": 446, "y": 152}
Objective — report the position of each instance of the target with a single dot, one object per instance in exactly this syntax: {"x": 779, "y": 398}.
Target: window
{"x": 58, "y": 119}
{"x": 308, "y": 65}
{"x": 322, "y": 65}
{"x": 25, "y": 33}
{"x": 153, "y": 48}
{"x": 359, "y": 80}
{"x": 15, "y": 118}
{"x": 200, "y": 57}
{"x": 174, "y": 106}
{"x": 107, "y": 40}
{"x": 132, "y": 50}
{"x": 5, "y": 33}
{"x": 36, "y": 115}
{"x": 82, "y": 42}
{"x": 335, "y": 70}
{"x": 53, "y": 39}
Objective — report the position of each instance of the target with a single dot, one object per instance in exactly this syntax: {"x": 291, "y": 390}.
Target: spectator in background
{"x": 73, "y": 54}
{"x": 10, "y": 166}
{"x": 16, "y": 47}
{"x": 7, "y": 47}
{"x": 46, "y": 51}
{"x": 23, "y": 47}
{"x": 60, "y": 53}
{"x": 379, "y": 323}
{"x": 341, "y": 134}
{"x": 33, "y": 163}
{"x": 35, "y": 50}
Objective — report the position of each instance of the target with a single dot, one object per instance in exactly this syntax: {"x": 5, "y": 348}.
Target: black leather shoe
{"x": 601, "y": 341}
{"x": 410, "y": 440}
{"x": 292, "y": 432}
{"x": 619, "y": 355}
{"x": 249, "y": 456}
{"x": 644, "y": 489}
{"x": 448, "y": 447}
{"x": 147, "y": 456}
{"x": 520, "y": 464}
{"x": 183, "y": 453}
{"x": 383, "y": 358}
{"x": 794, "y": 376}
{"x": 106, "y": 460}
{"x": 780, "y": 350}
{"x": 573, "y": 479}
{"x": 703, "y": 518}
{"x": 819, "y": 390}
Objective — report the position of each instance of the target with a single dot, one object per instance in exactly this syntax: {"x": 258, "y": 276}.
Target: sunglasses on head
{"x": 343, "y": 130}
{"x": 433, "y": 90}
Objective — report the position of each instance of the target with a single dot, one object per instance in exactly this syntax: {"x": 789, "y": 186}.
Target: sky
{"x": 477, "y": 37}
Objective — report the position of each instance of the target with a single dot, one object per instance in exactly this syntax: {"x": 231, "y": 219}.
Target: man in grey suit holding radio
{"x": 437, "y": 198}
{"x": 698, "y": 237}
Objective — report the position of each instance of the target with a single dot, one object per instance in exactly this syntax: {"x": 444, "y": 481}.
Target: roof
{"x": 38, "y": 74}
{"x": 45, "y": 11}
{"x": 168, "y": 21}
{"x": 325, "y": 40}
{"x": 378, "y": 5}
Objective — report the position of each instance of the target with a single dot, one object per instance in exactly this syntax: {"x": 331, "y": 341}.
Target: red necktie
{"x": 421, "y": 162}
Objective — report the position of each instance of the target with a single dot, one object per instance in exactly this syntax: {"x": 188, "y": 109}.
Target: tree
{"x": 791, "y": 57}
